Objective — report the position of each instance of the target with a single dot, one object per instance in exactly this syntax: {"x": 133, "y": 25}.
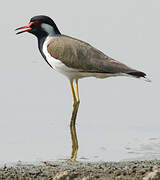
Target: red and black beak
{"x": 27, "y": 28}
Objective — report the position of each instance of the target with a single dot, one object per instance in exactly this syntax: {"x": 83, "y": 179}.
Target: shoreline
{"x": 139, "y": 170}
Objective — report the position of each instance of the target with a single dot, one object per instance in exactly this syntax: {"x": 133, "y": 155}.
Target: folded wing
{"x": 83, "y": 57}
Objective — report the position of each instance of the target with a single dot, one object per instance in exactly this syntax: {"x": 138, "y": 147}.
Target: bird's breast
{"x": 57, "y": 64}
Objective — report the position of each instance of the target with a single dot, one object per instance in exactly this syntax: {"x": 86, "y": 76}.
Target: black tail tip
{"x": 137, "y": 74}
{"x": 140, "y": 75}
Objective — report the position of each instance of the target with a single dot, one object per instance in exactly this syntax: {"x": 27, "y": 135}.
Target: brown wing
{"x": 82, "y": 56}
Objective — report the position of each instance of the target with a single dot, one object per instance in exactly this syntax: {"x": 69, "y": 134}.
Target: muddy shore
{"x": 66, "y": 170}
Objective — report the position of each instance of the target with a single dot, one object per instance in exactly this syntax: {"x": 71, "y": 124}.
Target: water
{"x": 114, "y": 122}
{"x": 49, "y": 148}
{"x": 109, "y": 126}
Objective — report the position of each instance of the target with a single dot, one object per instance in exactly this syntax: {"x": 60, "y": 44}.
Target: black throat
{"x": 40, "y": 47}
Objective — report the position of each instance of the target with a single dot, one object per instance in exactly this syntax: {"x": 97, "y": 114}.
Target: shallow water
{"x": 114, "y": 122}
{"x": 128, "y": 148}
{"x": 106, "y": 132}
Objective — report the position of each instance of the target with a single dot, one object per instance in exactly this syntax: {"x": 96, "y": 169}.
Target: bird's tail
{"x": 140, "y": 75}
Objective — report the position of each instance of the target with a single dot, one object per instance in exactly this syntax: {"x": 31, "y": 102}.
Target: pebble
{"x": 132, "y": 170}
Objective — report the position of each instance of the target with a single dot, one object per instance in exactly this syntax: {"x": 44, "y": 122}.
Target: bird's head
{"x": 40, "y": 26}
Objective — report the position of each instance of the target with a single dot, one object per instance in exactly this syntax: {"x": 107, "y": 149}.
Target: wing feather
{"x": 79, "y": 55}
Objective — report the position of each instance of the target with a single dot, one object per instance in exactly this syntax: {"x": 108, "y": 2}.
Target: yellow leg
{"x": 77, "y": 92}
{"x": 72, "y": 89}
{"x": 73, "y": 120}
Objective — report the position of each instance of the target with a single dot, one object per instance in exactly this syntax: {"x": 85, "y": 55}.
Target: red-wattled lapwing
{"x": 75, "y": 59}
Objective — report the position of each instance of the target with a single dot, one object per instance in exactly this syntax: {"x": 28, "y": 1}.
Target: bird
{"x": 75, "y": 59}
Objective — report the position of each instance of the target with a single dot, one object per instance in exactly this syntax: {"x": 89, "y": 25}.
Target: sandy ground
{"x": 66, "y": 170}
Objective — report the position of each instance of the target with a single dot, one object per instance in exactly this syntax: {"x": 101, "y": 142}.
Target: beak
{"x": 26, "y": 28}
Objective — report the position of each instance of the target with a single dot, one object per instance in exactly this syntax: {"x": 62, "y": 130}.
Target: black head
{"x": 40, "y": 26}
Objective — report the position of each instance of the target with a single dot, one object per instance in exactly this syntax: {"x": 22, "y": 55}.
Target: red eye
{"x": 37, "y": 23}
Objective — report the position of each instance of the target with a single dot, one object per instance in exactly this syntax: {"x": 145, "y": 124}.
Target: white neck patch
{"x": 48, "y": 28}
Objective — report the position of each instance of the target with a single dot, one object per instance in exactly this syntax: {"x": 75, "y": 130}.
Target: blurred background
{"x": 118, "y": 117}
